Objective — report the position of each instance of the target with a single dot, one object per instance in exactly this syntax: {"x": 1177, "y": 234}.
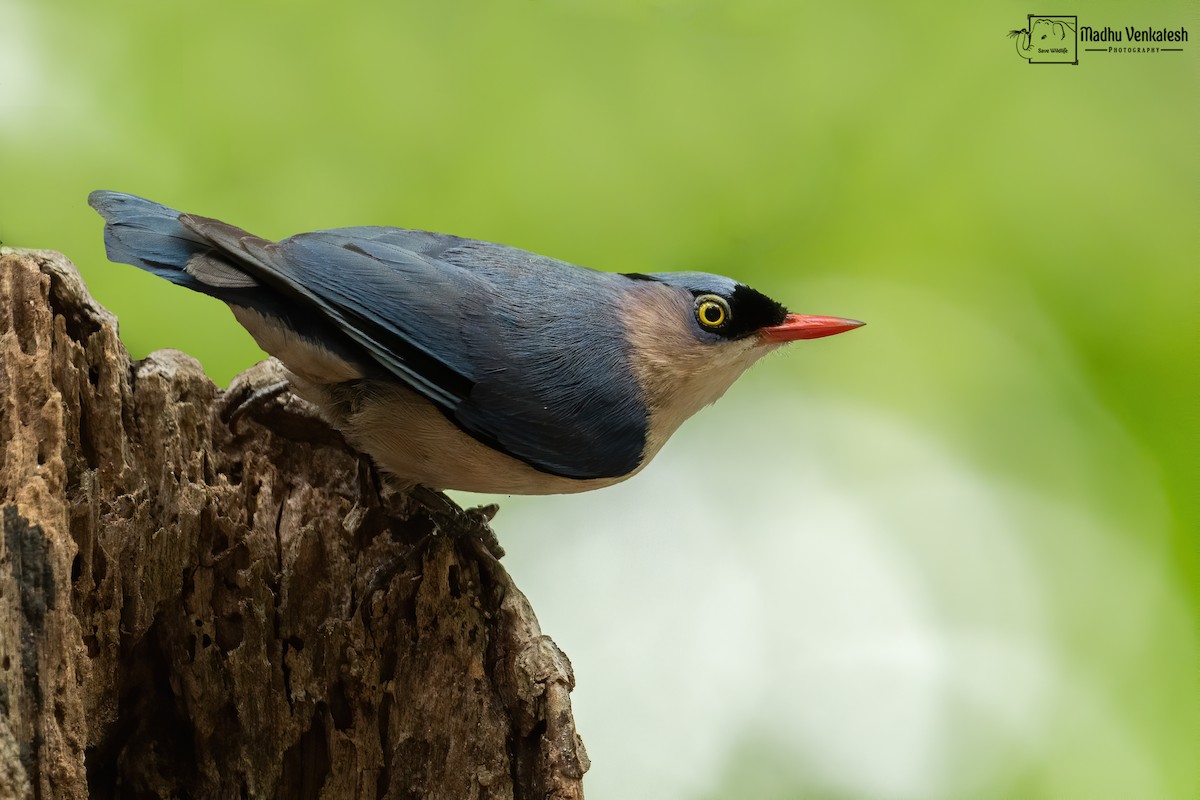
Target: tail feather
{"x": 210, "y": 257}
{"x": 148, "y": 235}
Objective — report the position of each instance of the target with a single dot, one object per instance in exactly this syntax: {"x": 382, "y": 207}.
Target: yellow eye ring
{"x": 711, "y": 311}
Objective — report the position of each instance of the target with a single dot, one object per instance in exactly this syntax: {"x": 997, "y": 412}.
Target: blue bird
{"x": 462, "y": 364}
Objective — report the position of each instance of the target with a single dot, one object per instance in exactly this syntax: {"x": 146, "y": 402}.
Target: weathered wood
{"x": 193, "y": 609}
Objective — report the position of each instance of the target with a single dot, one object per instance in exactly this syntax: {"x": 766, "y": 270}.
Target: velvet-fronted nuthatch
{"x": 461, "y": 364}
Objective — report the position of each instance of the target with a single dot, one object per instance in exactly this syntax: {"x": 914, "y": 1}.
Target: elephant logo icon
{"x": 1048, "y": 40}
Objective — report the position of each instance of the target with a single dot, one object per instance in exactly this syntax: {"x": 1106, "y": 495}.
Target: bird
{"x": 462, "y": 364}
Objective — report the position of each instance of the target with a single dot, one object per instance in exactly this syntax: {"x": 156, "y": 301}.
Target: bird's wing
{"x": 435, "y": 311}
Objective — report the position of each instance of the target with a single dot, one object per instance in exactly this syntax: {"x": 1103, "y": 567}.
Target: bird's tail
{"x": 147, "y": 235}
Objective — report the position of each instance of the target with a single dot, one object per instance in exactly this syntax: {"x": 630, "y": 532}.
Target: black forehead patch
{"x": 750, "y": 310}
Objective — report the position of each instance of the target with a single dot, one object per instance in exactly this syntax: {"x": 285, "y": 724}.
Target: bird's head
{"x": 692, "y": 334}
{"x": 724, "y": 310}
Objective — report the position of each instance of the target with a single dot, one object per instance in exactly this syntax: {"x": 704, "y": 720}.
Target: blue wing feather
{"x": 538, "y": 341}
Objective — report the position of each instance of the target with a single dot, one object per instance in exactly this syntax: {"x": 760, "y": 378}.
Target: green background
{"x": 1022, "y": 240}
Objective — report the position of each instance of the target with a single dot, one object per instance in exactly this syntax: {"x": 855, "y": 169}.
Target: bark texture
{"x": 190, "y": 609}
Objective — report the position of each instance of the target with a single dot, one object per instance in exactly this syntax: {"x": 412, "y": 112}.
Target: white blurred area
{"x": 825, "y": 599}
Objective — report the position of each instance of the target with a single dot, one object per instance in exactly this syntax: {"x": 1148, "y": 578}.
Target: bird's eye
{"x": 711, "y": 311}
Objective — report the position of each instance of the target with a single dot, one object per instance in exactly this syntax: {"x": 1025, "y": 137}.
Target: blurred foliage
{"x": 1022, "y": 239}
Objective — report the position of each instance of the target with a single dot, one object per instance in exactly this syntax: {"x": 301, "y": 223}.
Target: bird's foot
{"x": 251, "y": 392}
{"x": 449, "y": 517}
{"x": 263, "y": 394}
{"x": 470, "y": 525}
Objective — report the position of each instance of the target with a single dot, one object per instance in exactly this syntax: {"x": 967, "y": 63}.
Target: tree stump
{"x": 190, "y": 608}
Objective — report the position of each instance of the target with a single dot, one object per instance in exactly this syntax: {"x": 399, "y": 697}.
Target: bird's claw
{"x": 485, "y": 514}
{"x": 263, "y": 393}
{"x": 250, "y": 392}
{"x": 450, "y": 517}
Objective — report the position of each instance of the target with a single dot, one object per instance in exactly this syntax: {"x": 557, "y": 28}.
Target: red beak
{"x": 805, "y": 326}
